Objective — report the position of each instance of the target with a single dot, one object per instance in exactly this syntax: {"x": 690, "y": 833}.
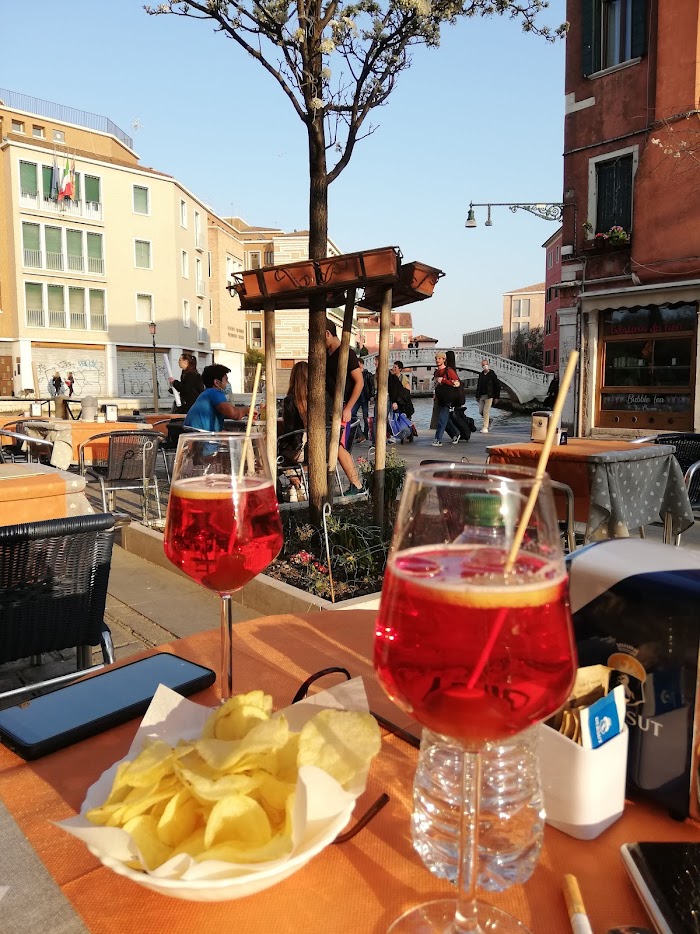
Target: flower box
{"x": 367, "y": 265}
{"x": 273, "y": 280}
{"x": 419, "y": 277}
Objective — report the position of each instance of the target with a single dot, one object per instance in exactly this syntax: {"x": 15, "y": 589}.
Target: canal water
{"x": 512, "y": 422}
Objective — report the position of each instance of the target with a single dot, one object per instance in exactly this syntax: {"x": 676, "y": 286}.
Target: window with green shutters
{"x": 98, "y": 311}
{"x": 47, "y": 180}
{"x": 142, "y": 250}
{"x": 612, "y": 33}
{"x": 28, "y": 178}
{"x": 76, "y": 308}
{"x": 34, "y": 301}
{"x": 92, "y": 189}
{"x": 57, "y": 310}
{"x": 94, "y": 252}
{"x": 54, "y": 247}
{"x": 31, "y": 244}
{"x": 140, "y": 199}
{"x": 614, "y": 194}
{"x": 74, "y": 246}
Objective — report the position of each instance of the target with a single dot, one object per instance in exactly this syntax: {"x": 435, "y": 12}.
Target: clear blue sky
{"x": 480, "y": 118}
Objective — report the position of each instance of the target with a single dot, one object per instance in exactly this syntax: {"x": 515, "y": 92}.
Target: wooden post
{"x": 339, "y": 398}
{"x": 271, "y": 390}
{"x": 381, "y": 408}
{"x": 316, "y": 409}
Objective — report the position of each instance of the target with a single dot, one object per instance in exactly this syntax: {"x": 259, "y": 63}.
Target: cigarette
{"x": 574, "y": 904}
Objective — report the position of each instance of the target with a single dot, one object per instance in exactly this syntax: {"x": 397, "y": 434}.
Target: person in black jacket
{"x": 362, "y": 404}
{"x": 189, "y": 385}
{"x": 486, "y": 392}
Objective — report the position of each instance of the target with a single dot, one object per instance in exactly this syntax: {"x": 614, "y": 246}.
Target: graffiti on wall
{"x": 136, "y": 379}
{"x": 88, "y": 374}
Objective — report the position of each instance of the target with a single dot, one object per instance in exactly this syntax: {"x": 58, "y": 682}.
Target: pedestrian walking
{"x": 487, "y": 389}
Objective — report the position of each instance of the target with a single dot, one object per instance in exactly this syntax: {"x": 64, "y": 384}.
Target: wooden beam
{"x": 271, "y": 390}
{"x": 339, "y": 398}
{"x": 381, "y": 408}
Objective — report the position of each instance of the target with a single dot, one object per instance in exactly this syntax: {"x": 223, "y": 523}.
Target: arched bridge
{"x": 522, "y": 383}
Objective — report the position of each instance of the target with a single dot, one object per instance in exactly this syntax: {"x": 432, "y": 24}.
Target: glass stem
{"x": 226, "y": 642}
{"x": 466, "y": 919}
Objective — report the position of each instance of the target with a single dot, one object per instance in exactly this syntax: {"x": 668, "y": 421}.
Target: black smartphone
{"x": 667, "y": 879}
{"x": 84, "y": 708}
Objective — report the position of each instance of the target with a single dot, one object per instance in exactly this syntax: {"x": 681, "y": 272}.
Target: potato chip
{"x": 210, "y": 790}
{"x": 144, "y": 832}
{"x": 153, "y": 762}
{"x": 276, "y": 848}
{"x": 239, "y": 819}
{"x": 236, "y": 716}
{"x": 341, "y": 742}
{"x": 258, "y": 746}
{"x": 179, "y": 819}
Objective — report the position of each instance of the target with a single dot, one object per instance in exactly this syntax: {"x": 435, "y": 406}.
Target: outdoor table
{"x": 68, "y": 435}
{"x": 618, "y": 486}
{"x": 34, "y": 492}
{"x": 164, "y": 419}
{"x": 357, "y": 887}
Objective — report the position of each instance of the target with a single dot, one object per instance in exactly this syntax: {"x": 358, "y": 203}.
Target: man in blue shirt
{"x": 211, "y": 407}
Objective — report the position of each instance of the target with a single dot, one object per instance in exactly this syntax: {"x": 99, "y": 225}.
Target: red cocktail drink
{"x": 222, "y": 532}
{"x": 438, "y": 610}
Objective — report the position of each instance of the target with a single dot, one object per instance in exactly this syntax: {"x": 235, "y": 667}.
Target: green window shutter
{"x": 47, "y": 178}
{"x": 28, "y": 178}
{"x": 52, "y": 237}
{"x": 97, "y": 302}
{"x": 639, "y": 28}
{"x": 140, "y": 199}
{"x": 32, "y": 292}
{"x": 590, "y": 36}
{"x": 143, "y": 254}
{"x": 94, "y": 246}
{"x": 74, "y": 242}
{"x": 56, "y": 298}
{"x": 614, "y": 194}
{"x": 77, "y": 187}
{"x": 92, "y": 189}
{"x": 30, "y": 237}
{"x": 76, "y": 301}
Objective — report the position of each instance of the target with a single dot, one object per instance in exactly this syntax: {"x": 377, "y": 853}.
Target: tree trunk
{"x": 381, "y": 408}
{"x": 316, "y": 396}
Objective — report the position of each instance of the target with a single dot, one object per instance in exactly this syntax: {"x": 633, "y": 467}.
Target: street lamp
{"x": 152, "y": 329}
{"x": 549, "y": 211}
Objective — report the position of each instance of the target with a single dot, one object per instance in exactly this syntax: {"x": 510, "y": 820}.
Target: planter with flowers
{"x": 615, "y": 238}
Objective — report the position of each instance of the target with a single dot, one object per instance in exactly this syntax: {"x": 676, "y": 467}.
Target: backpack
{"x": 369, "y": 384}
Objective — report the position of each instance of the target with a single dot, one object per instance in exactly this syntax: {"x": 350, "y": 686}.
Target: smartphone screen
{"x": 84, "y": 708}
{"x": 667, "y": 879}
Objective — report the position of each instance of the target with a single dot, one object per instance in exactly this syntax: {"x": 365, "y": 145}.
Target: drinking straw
{"x": 251, "y": 412}
{"x": 527, "y": 512}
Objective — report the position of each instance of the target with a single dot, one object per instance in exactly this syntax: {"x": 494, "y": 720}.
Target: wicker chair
{"x": 25, "y": 449}
{"x": 53, "y": 589}
{"x": 130, "y": 464}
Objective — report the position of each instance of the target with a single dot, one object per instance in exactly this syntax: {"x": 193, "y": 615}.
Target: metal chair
{"x": 130, "y": 464}
{"x": 168, "y": 445}
{"x": 26, "y": 449}
{"x": 53, "y": 589}
{"x": 287, "y": 467}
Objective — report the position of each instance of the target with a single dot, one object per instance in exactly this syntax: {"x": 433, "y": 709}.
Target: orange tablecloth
{"x": 32, "y": 492}
{"x": 352, "y": 888}
{"x": 163, "y": 428}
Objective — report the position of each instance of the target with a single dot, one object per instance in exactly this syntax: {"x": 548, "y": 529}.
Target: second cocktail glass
{"x": 469, "y": 646}
{"x": 223, "y": 524}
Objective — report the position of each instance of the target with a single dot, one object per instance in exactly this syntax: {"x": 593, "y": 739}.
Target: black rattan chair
{"x": 130, "y": 464}
{"x": 53, "y": 589}
{"x": 168, "y": 446}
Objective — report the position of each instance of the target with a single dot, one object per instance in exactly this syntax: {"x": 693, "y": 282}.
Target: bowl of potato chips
{"x": 216, "y": 805}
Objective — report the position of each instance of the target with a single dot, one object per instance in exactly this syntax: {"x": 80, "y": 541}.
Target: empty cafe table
{"x": 618, "y": 487}
{"x": 34, "y": 492}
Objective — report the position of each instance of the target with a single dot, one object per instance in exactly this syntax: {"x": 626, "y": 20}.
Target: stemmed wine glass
{"x": 471, "y": 641}
{"x": 223, "y": 524}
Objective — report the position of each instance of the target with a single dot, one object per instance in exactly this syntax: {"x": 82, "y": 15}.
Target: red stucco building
{"x": 630, "y": 277}
{"x": 552, "y": 301}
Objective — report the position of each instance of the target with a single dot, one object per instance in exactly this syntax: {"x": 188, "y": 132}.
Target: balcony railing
{"x": 78, "y": 320}
{"x": 96, "y": 265}
{"x": 32, "y": 258}
{"x": 91, "y": 210}
{"x": 35, "y": 317}
{"x": 76, "y": 263}
{"x": 98, "y": 322}
{"x": 54, "y": 260}
{"x": 57, "y": 319}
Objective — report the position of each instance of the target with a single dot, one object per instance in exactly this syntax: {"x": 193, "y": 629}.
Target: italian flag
{"x": 66, "y": 183}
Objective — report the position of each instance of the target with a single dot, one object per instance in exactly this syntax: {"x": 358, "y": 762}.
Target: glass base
{"x": 438, "y": 918}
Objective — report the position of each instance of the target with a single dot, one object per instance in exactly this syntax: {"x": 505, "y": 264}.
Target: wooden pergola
{"x": 385, "y": 283}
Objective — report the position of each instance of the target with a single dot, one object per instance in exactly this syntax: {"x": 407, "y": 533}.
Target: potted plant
{"x": 614, "y": 237}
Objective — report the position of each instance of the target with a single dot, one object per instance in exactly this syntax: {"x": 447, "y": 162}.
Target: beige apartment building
{"x": 96, "y": 247}
{"x": 270, "y": 246}
{"x": 523, "y": 310}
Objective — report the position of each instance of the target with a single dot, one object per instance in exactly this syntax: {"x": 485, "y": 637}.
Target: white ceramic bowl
{"x": 223, "y": 890}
